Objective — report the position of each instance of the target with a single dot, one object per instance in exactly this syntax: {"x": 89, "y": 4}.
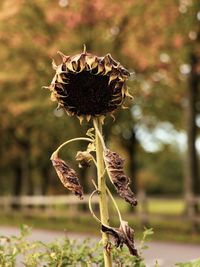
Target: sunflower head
{"x": 86, "y": 85}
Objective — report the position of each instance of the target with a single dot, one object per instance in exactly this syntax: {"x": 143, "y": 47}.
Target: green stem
{"x": 99, "y": 133}
{"x": 90, "y": 205}
{"x": 115, "y": 204}
{"x": 55, "y": 153}
{"x": 102, "y": 189}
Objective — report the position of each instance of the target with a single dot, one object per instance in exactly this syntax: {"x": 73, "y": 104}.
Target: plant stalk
{"x": 103, "y": 205}
{"x": 70, "y": 141}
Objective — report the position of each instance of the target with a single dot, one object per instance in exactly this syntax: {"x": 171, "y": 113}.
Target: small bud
{"x": 84, "y": 158}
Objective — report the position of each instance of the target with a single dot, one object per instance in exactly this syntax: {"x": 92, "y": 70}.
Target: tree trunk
{"x": 45, "y": 180}
{"x": 83, "y": 175}
{"x": 192, "y": 181}
{"x": 27, "y": 184}
{"x": 131, "y": 146}
{"x": 17, "y": 184}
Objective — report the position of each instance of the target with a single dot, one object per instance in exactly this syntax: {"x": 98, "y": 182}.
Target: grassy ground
{"x": 82, "y": 222}
{"x": 166, "y": 206}
{"x": 75, "y": 220}
{"x": 157, "y": 206}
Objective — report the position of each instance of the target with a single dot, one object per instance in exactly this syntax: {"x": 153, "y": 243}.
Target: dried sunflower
{"x": 88, "y": 85}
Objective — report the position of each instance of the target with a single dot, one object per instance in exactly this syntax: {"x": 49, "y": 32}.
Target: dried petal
{"x": 122, "y": 235}
{"x": 114, "y": 164}
{"x": 67, "y": 176}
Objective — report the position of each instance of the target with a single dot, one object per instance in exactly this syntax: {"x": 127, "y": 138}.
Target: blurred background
{"x": 159, "y": 43}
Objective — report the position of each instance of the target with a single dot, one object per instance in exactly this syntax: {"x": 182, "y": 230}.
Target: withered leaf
{"x": 115, "y": 164}
{"x": 67, "y": 176}
{"x": 122, "y": 235}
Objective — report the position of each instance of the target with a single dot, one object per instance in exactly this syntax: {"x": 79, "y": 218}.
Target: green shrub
{"x": 63, "y": 252}
{"x": 20, "y": 251}
{"x": 194, "y": 263}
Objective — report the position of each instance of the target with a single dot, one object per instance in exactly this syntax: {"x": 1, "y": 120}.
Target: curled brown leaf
{"x": 67, "y": 176}
{"x": 122, "y": 235}
{"x": 114, "y": 164}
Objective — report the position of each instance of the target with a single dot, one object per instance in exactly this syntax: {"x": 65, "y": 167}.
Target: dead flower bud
{"x": 84, "y": 158}
{"x": 67, "y": 176}
{"x": 87, "y": 85}
{"x": 122, "y": 235}
{"x": 114, "y": 164}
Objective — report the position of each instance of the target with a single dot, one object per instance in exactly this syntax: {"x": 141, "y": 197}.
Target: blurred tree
{"x": 154, "y": 40}
{"x": 30, "y": 131}
{"x": 167, "y": 176}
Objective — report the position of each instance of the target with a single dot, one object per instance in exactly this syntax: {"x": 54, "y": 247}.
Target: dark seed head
{"x": 87, "y": 85}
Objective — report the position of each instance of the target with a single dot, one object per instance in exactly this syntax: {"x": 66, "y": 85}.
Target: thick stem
{"x": 102, "y": 189}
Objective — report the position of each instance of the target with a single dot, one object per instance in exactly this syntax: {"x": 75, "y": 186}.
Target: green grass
{"x": 157, "y": 206}
{"x": 79, "y": 224}
{"x": 166, "y": 206}
{"x": 82, "y": 222}
{"x": 75, "y": 220}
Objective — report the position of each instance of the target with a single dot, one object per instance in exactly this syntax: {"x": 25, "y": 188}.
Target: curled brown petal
{"x": 67, "y": 176}
{"x": 114, "y": 164}
{"x": 122, "y": 235}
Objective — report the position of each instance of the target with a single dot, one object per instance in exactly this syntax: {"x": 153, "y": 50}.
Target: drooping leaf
{"x": 67, "y": 176}
{"x": 122, "y": 235}
{"x": 114, "y": 164}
